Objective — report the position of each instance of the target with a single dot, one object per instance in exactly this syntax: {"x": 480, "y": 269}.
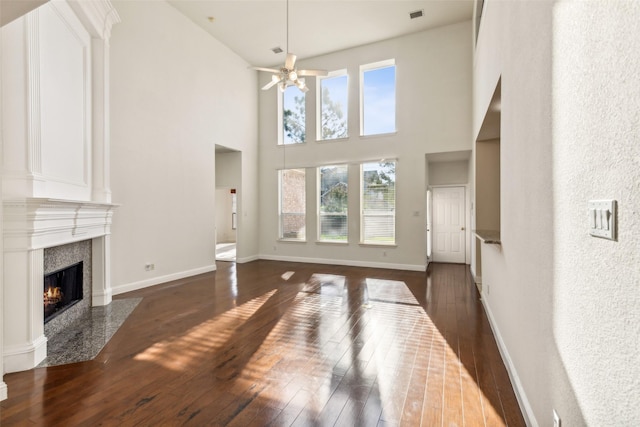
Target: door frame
{"x": 467, "y": 220}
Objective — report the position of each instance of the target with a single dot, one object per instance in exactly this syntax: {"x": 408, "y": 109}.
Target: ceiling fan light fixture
{"x": 288, "y": 74}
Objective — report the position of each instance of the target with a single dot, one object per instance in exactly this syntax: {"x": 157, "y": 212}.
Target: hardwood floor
{"x": 275, "y": 343}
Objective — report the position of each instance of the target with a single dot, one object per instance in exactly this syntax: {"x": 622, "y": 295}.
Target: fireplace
{"x": 62, "y": 290}
{"x": 37, "y": 235}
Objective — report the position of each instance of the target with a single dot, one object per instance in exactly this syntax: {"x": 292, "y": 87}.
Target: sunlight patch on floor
{"x": 226, "y": 252}
{"x": 199, "y": 342}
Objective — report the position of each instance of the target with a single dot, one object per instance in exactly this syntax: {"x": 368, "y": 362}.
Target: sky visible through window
{"x": 334, "y": 117}
{"x": 293, "y": 115}
{"x": 379, "y": 101}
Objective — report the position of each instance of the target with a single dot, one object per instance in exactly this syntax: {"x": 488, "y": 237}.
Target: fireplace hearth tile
{"x": 86, "y": 337}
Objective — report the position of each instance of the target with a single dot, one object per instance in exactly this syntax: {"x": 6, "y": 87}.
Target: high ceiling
{"x": 251, "y": 28}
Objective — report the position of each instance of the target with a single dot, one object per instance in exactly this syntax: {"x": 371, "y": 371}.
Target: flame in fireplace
{"x": 52, "y": 296}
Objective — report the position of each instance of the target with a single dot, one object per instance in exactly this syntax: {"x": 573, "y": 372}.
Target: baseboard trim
{"x": 477, "y": 279}
{"x": 247, "y": 259}
{"x": 3, "y": 391}
{"x": 353, "y": 263}
{"x": 23, "y": 357}
{"x": 521, "y": 396}
{"x": 117, "y": 290}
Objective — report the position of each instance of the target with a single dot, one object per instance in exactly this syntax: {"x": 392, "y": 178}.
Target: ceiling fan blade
{"x": 290, "y": 62}
{"x": 270, "y": 70}
{"x": 320, "y": 73}
{"x": 271, "y": 84}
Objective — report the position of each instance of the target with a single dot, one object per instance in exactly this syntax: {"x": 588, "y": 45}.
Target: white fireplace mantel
{"x": 37, "y": 223}
{"x": 30, "y": 226}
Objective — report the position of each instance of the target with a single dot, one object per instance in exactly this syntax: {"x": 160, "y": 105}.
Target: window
{"x": 293, "y": 116}
{"x": 333, "y": 195}
{"x": 378, "y": 203}
{"x": 292, "y": 204}
{"x": 378, "y": 98}
{"x": 333, "y": 106}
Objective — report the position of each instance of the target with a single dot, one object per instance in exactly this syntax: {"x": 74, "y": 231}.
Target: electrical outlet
{"x": 149, "y": 266}
{"x": 556, "y": 419}
{"x": 384, "y": 253}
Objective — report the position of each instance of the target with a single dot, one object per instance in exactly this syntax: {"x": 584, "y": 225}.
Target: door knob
{"x": 462, "y": 228}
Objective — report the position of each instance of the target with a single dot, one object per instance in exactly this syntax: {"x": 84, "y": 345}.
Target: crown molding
{"x": 98, "y": 16}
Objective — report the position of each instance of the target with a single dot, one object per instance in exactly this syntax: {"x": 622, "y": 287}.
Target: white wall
{"x": 433, "y": 102}
{"x": 565, "y": 305}
{"x": 170, "y": 105}
{"x": 596, "y": 155}
{"x": 447, "y": 173}
{"x": 3, "y": 385}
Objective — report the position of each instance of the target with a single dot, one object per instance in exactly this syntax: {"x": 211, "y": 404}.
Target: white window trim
{"x": 336, "y": 73}
{"x": 374, "y": 66}
{"x": 280, "y": 102}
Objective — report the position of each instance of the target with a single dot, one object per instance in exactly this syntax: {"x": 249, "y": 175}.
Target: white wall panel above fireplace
{"x": 47, "y": 142}
{"x": 64, "y": 98}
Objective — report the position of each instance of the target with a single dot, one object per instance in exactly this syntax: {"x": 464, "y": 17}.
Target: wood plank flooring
{"x": 285, "y": 344}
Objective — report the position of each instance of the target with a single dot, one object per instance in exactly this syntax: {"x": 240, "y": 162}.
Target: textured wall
{"x": 564, "y": 304}
{"x": 596, "y": 155}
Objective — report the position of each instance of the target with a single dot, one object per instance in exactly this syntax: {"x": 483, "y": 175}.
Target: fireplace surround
{"x": 30, "y": 226}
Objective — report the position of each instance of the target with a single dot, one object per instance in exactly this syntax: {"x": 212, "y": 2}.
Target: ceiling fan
{"x": 288, "y": 74}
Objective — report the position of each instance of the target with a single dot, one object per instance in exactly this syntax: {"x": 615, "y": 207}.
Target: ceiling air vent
{"x": 416, "y": 14}
{"x": 277, "y": 49}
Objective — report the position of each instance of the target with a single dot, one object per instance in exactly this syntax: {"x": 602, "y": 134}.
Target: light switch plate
{"x": 602, "y": 219}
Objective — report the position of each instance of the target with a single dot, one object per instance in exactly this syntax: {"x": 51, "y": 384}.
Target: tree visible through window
{"x": 293, "y": 116}
{"x": 333, "y": 196}
{"x": 292, "y": 204}
{"x": 378, "y": 221}
{"x": 378, "y": 98}
{"x": 333, "y": 109}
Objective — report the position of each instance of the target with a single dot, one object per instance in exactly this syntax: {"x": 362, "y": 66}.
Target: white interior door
{"x": 448, "y": 229}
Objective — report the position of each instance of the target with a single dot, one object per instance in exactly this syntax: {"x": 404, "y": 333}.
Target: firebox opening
{"x": 62, "y": 289}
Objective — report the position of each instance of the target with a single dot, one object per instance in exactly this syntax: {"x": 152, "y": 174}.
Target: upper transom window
{"x": 378, "y": 98}
{"x": 292, "y": 115}
{"x": 333, "y": 106}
